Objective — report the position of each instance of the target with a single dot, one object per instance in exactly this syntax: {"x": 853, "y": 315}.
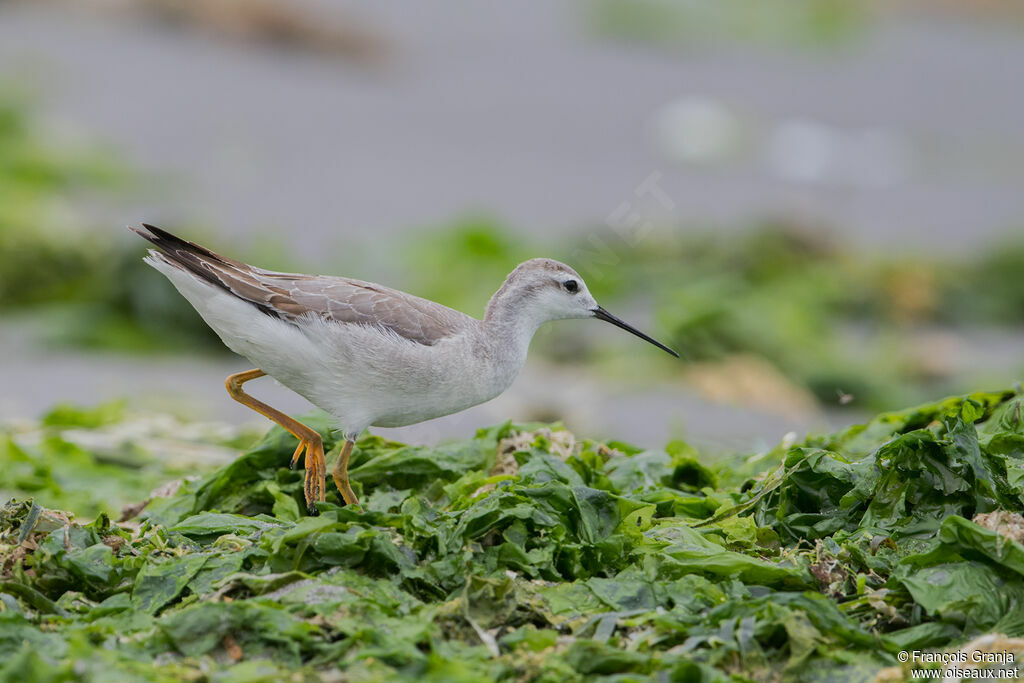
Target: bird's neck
{"x": 511, "y": 326}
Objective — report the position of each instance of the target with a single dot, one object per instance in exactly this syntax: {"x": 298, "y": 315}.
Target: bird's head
{"x": 543, "y": 289}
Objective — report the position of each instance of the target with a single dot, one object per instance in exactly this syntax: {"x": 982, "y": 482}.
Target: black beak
{"x": 602, "y": 314}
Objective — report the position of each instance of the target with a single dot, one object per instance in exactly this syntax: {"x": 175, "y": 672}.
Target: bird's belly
{"x": 413, "y": 412}
{"x": 401, "y": 408}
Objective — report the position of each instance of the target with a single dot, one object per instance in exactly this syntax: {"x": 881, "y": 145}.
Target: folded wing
{"x": 293, "y": 296}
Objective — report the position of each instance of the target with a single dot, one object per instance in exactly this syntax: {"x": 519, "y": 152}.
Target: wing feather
{"x": 292, "y": 296}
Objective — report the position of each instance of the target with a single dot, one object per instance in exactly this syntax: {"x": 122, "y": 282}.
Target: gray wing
{"x": 291, "y": 296}
{"x": 345, "y": 300}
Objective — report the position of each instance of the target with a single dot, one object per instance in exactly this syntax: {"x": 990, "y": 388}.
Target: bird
{"x": 366, "y": 354}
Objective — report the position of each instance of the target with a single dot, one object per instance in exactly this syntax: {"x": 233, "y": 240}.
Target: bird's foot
{"x": 315, "y": 484}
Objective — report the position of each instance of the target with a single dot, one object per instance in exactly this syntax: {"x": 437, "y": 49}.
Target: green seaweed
{"x": 586, "y": 562}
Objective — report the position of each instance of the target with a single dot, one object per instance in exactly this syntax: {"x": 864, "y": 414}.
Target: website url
{"x": 964, "y": 674}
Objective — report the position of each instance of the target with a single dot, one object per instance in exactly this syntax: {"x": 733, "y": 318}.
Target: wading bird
{"x": 369, "y": 355}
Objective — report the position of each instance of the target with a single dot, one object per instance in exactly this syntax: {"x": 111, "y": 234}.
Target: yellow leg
{"x": 315, "y": 486}
{"x": 340, "y": 473}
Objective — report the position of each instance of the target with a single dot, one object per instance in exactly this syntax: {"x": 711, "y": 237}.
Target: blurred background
{"x": 819, "y": 202}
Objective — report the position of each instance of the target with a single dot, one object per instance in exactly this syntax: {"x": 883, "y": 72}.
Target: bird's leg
{"x": 315, "y": 485}
{"x": 340, "y": 472}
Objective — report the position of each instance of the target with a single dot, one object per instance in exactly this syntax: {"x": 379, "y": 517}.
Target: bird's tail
{"x": 188, "y": 256}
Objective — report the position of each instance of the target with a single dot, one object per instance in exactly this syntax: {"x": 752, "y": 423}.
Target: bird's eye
{"x": 571, "y": 286}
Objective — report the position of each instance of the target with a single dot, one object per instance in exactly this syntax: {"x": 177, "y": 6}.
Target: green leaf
{"x": 207, "y": 526}
{"x": 161, "y": 582}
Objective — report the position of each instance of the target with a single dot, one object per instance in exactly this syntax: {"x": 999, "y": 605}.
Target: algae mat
{"x": 521, "y": 554}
